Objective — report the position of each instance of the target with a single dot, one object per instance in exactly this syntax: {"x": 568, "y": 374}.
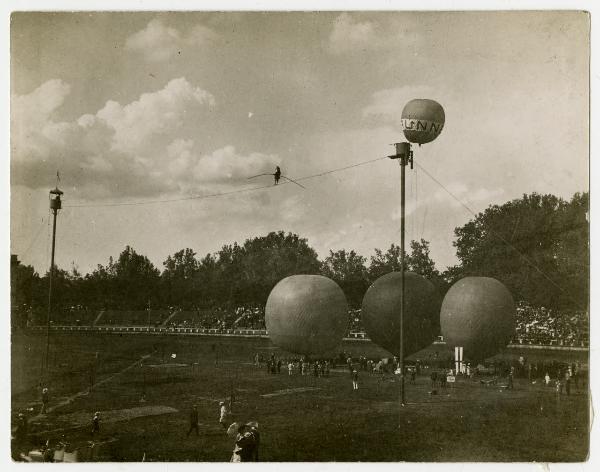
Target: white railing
{"x": 246, "y": 332}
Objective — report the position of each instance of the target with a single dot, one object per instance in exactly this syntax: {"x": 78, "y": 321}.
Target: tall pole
{"x": 404, "y": 154}
{"x": 50, "y": 290}
{"x": 403, "y": 160}
{"x": 55, "y": 205}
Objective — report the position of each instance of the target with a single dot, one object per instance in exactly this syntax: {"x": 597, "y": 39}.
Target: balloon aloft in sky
{"x": 478, "y": 313}
{"x": 422, "y": 120}
{"x": 381, "y": 312}
{"x": 306, "y": 314}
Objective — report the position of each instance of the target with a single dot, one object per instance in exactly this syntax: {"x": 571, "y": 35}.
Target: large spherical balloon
{"x": 422, "y": 120}
{"x": 306, "y": 314}
{"x": 381, "y": 312}
{"x": 478, "y": 313}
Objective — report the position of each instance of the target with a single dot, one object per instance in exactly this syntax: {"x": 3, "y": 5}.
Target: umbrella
{"x": 233, "y": 429}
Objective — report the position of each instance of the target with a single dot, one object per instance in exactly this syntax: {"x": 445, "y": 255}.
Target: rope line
{"x": 221, "y": 194}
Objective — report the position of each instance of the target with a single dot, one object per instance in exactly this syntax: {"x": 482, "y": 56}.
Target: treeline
{"x": 537, "y": 245}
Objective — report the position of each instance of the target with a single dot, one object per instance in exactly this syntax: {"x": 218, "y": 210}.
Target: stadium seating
{"x": 534, "y": 325}
{"x": 132, "y": 317}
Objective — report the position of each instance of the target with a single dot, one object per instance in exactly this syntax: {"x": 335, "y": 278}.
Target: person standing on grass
{"x": 224, "y": 414}
{"x": 96, "y": 424}
{"x": 433, "y": 379}
{"x": 193, "y": 421}
{"x": 45, "y": 400}
{"x": 547, "y": 379}
{"x": 278, "y": 366}
{"x": 290, "y": 367}
{"x": 568, "y": 384}
{"x": 443, "y": 380}
{"x": 354, "y": 380}
{"x": 22, "y": 430}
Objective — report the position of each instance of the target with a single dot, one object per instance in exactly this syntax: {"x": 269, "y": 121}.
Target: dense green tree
{"x": 572, "y": 250}
{"x": 99, "y": 288}
{"x": 24, "y": 292}
{"x": 131, "y": 282}
{"x": 384, "y": 262}
{"x": 418, "y": 261}
{"x": 178, "y": 280}
{"x": 206, "y": 280}
{"x": 266, "y": 260}
{"x": 537, "y": 245}
{"x": 348, "y": 269}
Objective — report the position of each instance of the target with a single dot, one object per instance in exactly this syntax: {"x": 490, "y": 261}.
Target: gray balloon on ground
{"x": 306, "y": 314}
{"x": 478, "y": 313}
{"x": 381, "y": 312}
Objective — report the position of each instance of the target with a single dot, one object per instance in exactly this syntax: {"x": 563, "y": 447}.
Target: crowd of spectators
{"x": 244, "y": 317}
{"x": 548, "y": 327}
{"x": 534, "y": 325}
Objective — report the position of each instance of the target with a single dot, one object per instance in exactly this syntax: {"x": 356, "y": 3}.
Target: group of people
{"x": 301, "y": 366}
{"x": 247, "y": 437}
{"x": 247, "y": 442}
{"x": 318, "y": 368}
{"x": 224, "y": 417}
{"x": 539, "y": 325}
{"x": 245, "y": 317}
{"x": 564, "y": 380}
{"x": 22, "y": 439}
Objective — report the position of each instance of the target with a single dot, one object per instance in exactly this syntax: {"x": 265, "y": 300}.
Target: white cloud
{"x": 465, "y": 195}
{"x": 158, "y": 42}
{"x": 442, "y": 198}
{"x": 31, "y": 116}
{"x": 154, "y": 114}
{"x": 386, "y": 105}
{"x": 226, "y": 165}
{"x": 142, "y": 148}
{"x": 350, "y": 34}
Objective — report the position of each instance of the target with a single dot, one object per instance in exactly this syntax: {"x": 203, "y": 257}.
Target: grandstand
{"x": 131, "y": 317}
{"x": 72, "y": 316}
{"x": 542, "y": 326}
{"x": 219, "y": 318}
{"x": 534, "y": 326}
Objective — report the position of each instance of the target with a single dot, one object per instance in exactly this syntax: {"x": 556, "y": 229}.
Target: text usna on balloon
{"x": 421, "y": 125}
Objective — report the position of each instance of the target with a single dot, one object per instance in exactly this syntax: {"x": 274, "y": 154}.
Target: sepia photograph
{"x": 299, "y": 236}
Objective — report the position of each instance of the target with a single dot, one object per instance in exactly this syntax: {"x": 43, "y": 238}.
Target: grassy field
{"x": 301, "y": 418}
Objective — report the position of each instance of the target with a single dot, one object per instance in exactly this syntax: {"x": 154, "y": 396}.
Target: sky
{"x": 160, "y": 107}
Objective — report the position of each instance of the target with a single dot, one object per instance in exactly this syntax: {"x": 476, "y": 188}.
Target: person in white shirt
{"x": 224, "y": 414}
